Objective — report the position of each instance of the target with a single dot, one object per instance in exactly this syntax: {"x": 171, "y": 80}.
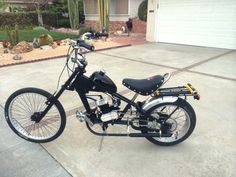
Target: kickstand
{"x": 101, "y": 141}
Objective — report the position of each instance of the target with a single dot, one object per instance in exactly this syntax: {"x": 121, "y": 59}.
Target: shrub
{"x": 27, "y": 18}
{"x": 11, "y": 19}
{"x": 142, "y": 10}
{"x": 45, "y": 39}
{"x": 85, "y": 30}
{"x": 39, "y": 28}
{"x": 64, "y": 23}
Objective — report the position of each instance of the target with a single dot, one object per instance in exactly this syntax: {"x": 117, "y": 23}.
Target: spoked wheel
{"x": 21, "y": 108}
{"x": 178, "y": 118}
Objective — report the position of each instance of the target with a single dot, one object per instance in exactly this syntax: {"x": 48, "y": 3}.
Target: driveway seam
{"x": 180, "y": 70}
{"x": 55, "y": 159}
{"x": 206, "y": 60}
{"x": 211, "y": 75}
{"x": 138, "y": 61}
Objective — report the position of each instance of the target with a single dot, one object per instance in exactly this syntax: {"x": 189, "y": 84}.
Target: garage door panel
{"x": 198, "y": 22}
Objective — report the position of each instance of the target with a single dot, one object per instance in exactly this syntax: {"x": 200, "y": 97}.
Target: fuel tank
{"x": 102, "y": 83}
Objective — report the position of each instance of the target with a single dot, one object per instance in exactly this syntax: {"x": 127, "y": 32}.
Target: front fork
{"x": 38, "y": 116}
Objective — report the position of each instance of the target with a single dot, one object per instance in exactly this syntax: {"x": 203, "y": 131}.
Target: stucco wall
{"x": 134, "y": 4}
{"x": 133, "y": 12}
{"x": 151, "y": 34}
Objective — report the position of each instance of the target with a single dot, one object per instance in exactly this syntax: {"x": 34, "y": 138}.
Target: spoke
{"x": 21, "y": 110}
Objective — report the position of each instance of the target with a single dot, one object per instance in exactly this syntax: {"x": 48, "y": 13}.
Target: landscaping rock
{"x": 5, "y": 51}
{"x": 36, "y": 43}
{"x": 65, "y": 41}
{"x": 54, "y": 46}
{"x": 17, "y": 57}
{"x": 22, "y": 47}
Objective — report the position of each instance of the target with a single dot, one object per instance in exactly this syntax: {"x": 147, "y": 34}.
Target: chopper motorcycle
{"x": 164, "y": 118}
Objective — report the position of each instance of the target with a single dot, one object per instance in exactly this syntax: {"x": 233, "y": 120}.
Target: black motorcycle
{"x": 164, "y": 118}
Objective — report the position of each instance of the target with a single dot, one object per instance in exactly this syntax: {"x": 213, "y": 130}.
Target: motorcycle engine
{"x": 108, "y": 112}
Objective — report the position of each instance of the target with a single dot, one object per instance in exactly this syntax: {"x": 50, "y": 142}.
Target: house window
{"x": 119, "y": 7}
{"x": 91, "y": 6}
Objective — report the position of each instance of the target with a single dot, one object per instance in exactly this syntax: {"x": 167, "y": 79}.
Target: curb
{"x": 59, "y": 56}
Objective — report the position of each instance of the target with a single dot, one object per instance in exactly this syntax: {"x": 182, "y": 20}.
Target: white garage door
{"x": 209, "y": 23}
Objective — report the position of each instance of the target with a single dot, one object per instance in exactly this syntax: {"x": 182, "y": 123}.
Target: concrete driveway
{"x": 210, "y": 151}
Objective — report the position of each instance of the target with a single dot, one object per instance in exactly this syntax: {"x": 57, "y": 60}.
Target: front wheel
{"x": 23, "y": 104}
{"x": 178, "y": 119}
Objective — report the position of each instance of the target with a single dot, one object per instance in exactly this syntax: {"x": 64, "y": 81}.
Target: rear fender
{"x": 156, "y": 101}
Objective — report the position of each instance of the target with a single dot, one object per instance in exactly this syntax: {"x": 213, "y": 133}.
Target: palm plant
{"x": 104, "y": 13}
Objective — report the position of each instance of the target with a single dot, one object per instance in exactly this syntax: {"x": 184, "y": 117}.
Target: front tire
{"x": 20, "y": 107}
{"x": 180, "y": 132}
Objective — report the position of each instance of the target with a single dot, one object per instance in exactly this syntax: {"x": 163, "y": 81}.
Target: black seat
{"x": 144, "y": 86}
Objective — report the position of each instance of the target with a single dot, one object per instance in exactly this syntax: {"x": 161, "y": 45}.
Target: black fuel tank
{"x": 102, "y": 83}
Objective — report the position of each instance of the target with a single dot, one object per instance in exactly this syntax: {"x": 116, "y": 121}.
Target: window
{"x": 117, "y": 7}
{"x": 91, "y": 6}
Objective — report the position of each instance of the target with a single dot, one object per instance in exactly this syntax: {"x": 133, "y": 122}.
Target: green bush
{"x": 64, "y": 23}
{"x": 27, "y": 19}
{"x": 142, "y": 10}
{"x": 84, "y": 30}
{"x": 39, "y": 28}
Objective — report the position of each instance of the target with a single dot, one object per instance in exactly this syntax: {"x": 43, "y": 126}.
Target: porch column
{"x": 152, "y": 13}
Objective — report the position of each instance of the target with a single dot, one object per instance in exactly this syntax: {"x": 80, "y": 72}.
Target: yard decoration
{"x": 45, "y": 39}
{"x": 73, "y": 10}
{"x": 104, "y": 14}
{"x": 22, "y": 47}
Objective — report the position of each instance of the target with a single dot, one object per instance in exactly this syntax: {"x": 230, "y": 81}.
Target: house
{"x": 120, "y": 11}
{"x": 207, "y": 23}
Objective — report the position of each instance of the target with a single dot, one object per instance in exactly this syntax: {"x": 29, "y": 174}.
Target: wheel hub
{"x": 36, "y": 117}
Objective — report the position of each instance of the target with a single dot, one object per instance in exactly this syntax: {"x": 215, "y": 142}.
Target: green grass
{"x": 29, "y": 35}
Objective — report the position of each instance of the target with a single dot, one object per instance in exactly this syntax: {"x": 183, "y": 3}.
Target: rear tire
{"x": 178, "y": 136}
{"x": 22, "y": 104}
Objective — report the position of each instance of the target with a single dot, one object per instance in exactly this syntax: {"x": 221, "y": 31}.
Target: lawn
{"x": 29, "y": 35}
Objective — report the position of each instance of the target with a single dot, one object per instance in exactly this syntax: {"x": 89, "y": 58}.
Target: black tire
{"x": 19, "y": 109}
{"x": 188, "y": 110}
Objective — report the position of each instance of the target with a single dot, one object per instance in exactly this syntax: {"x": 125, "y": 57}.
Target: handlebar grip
{"x": 87, "y": 46}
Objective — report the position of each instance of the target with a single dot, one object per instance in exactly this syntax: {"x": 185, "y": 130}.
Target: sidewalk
{"x": 19, "y": 158}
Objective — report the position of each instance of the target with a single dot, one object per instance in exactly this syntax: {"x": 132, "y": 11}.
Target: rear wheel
{"x": 23, "y": 104}
{"x": 178, "y": 118}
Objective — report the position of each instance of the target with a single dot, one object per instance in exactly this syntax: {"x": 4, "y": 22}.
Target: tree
{"x": 38, "y": 5}
{"x": 142, "y": 10}
{"x": 2, "y": 4}
{"x": 58, "y": 6}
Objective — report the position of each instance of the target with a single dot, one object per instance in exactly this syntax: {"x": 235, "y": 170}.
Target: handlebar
{"x": 81, "y": 43}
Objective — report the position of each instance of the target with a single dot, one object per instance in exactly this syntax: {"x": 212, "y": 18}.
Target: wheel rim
{"x": 23, "y": 107}
{"x": 180, "y": 121}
